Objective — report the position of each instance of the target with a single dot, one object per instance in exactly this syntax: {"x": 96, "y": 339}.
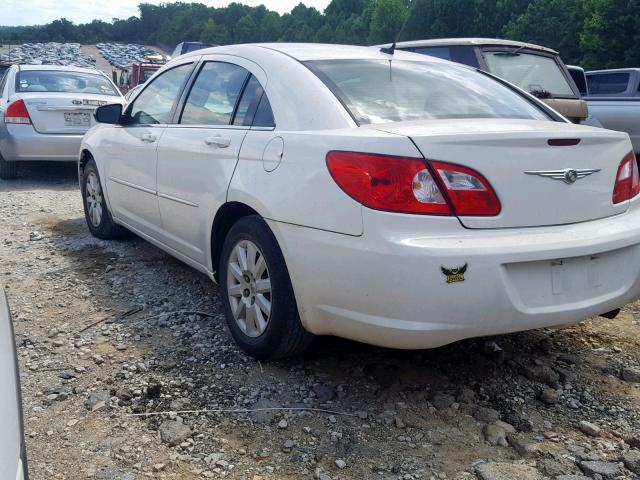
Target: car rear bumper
{"x": 387, "y": 287}
{"x": 23, "y": 143}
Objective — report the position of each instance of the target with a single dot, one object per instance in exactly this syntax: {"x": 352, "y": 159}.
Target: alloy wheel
{"x": 93, "y": 197}
{"x": 249, "y": 288}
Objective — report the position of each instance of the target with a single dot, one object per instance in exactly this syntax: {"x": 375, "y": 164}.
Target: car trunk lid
{"x": 531, "y": 166}
{"x": 63, "y": 113}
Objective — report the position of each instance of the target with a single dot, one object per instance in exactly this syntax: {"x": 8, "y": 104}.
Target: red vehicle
{"x": 139, "y": 73}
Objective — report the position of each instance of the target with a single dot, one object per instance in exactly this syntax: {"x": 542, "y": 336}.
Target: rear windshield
{"x": 381, "y": 91}
{"x": 63, "y": 81}
{"x": 539, "y": 75}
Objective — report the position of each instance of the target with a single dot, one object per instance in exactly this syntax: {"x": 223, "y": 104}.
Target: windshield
{"x": 63, "y": 82}
{"x": 380, "y": 91}
{"x": 537, "y": 74}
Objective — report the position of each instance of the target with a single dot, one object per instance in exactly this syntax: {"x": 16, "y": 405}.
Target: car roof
{"x": 614, "y": 70}
{"x": 441, "y": 42}
{"x": 64, "y": 68}
{"x": 303, "y": 52}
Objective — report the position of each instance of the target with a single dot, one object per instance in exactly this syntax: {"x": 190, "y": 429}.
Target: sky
{"x": 13, "y": 12}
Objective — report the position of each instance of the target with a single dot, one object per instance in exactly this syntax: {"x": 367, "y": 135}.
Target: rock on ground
{"x": 606, "y": 470}
{"x": 173, "y": 432}
{"x": 506, "y": 471}
{"x": 631, "y": 460}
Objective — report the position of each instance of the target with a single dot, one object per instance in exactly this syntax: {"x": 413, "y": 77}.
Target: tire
{"x": 96, "y": 212}
{"x": 263, "y": 335}
{"x": 8, "y": 170}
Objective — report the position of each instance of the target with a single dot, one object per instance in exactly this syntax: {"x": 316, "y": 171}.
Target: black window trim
{"x": 126, "y": 113}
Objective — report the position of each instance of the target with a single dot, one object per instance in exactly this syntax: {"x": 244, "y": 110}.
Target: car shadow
{"x": 59, "y": 176}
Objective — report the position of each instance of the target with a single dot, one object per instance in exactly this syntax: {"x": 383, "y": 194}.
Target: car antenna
{"x": 389, "y": 50}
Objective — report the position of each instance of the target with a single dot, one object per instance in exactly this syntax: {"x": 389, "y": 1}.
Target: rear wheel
{"x": 96, "y": 212}
{"x": 258, "y": 298}
{"x": 8, "y": 170}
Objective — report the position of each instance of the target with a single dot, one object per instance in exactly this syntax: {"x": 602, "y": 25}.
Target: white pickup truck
{"x": 614, "y": 99}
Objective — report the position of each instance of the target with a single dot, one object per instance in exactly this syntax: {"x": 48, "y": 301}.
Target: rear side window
{"x": 62, "y": 81}
{"x": 254, "y": 108}
{"x": 460, "y": 54}
{"x": 214, "y": 95}
{"x": 154, "y": 104}
{"x": 608, "y": 83}
{"x": 380, "y": 91}
{"x": 264, "y": 114}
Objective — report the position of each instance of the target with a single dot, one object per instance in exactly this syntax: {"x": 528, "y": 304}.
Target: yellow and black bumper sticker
{"x": 454, "y": 274}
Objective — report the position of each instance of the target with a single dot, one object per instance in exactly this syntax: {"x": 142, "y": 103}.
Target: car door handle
{"x": 149, "y": 138}
{"x": 219, "y": 142}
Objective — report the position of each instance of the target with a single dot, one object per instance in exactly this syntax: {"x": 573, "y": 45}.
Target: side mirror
{"x": 109, "y": 113}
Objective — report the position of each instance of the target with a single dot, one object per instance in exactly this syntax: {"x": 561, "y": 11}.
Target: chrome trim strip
{"x": 133, "y": 185}
{"x": 69, "y": 108}
{"x": 177, "y": 200}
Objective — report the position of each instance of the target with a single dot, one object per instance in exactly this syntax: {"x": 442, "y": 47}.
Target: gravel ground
{"x": 111, "y": 345}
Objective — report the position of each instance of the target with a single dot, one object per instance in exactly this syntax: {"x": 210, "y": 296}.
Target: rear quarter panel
{"x": 300, "y": 190}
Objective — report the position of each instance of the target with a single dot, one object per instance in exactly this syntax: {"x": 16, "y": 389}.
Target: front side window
{"x": 608, "y": 83}
{"x": 63, "y": 81}
{"x": 155, "y": 103}
{"x": 539, "y": 75}
{"x": 380, "y": 91}
{"x": 214, "y": 95}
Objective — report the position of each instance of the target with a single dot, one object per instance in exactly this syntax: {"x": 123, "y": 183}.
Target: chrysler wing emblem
{"x": 568, "y": 175}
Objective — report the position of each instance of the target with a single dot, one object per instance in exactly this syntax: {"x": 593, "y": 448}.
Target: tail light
{"x": 412, "y": 185}
{"x": 627, "y": 183}
{"x": 470, "y": 193}
{"x": 17, "y": 113}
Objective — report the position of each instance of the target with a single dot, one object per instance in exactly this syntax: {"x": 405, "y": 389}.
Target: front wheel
{"x": 96, "y": 212}
{"x": 257, "y": 294}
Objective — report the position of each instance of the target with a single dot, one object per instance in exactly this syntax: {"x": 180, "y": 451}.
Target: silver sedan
{"x": 45, "y": 110}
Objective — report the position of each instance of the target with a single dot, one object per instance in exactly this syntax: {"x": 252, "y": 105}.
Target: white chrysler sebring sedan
{"x": 46, "y": 109}
{"x": 386, "y": 197}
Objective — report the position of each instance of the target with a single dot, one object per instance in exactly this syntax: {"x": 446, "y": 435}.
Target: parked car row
{"x": 122, "y": 55}
{"x": 51, "y": 53}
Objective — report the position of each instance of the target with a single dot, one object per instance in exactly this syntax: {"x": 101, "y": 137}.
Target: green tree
{"x": 246, "y": 30}
{"x": 387, "y": 20}
{"x": 611, "y": 34}
{"x": 560, "y": 30}
{"x": 214, "y": 33}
